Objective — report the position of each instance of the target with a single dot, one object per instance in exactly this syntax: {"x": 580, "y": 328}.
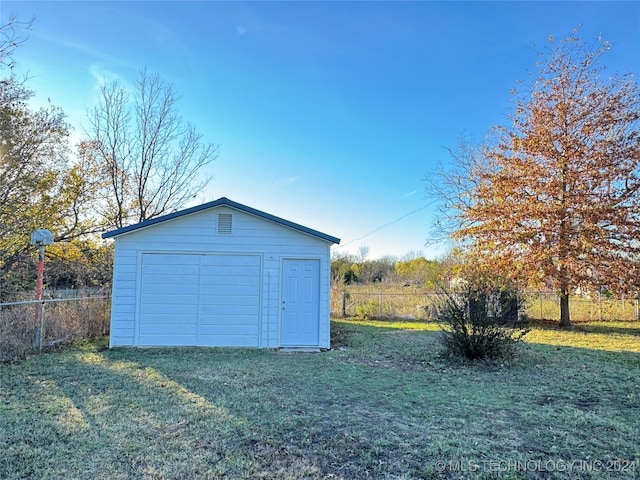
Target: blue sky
{"x": 329, "y": 114}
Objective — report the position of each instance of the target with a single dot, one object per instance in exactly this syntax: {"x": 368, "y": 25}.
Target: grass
{"x": 608, "y": 336}
{"x": 382, "y": 404}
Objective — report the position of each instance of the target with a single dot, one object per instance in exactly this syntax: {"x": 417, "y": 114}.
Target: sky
{"x": 328, "y": 114}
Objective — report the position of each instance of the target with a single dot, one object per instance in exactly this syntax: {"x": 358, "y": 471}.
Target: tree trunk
{"x": 565, "y": 321}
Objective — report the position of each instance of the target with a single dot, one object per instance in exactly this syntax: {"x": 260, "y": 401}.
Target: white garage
{"x": 220, "y": 274}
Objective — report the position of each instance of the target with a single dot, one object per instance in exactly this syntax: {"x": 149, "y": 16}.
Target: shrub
{"x": 480, "y": 322}
{"x": 368, "y": 310}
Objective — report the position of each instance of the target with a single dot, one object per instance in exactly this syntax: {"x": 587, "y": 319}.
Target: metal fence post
{"x": 540, "y": 301}
{"x": 599, "y": 307}
{"x": 41, "y": 329}
{"x": 344, "y": 303}
{"x": 36, "y": 333}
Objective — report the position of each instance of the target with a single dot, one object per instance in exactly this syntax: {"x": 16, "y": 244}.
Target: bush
{"x": 482, "y": 323}
{"x": 371, "y": 309}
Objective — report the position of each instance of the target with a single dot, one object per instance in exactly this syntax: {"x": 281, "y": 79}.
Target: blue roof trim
{"x": 218, "y": 203}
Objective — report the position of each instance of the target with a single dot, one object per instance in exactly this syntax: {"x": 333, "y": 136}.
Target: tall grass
{"x": 59, "y": 322}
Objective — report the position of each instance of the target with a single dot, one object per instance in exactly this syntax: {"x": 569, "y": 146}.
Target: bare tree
{"x": 363, "y": 253}
{"x": 10, "y": 39}
{"x": 149, "y": 160}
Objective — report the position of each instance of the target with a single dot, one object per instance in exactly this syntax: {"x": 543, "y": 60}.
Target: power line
{"x": 386, "y": 225}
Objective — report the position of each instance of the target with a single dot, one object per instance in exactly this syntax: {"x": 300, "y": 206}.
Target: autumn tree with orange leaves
{"x": 554, "y": 199}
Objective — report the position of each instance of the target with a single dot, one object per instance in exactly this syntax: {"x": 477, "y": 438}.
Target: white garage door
{"x": 204, "y": 300}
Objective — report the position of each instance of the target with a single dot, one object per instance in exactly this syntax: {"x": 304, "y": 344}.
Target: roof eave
{"x": 217, "y": 203}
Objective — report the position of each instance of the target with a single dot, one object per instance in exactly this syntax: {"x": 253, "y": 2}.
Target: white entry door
{"x": 300, "y": 303}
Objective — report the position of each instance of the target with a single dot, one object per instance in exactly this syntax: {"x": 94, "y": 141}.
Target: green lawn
{"x": 382, "y": 404}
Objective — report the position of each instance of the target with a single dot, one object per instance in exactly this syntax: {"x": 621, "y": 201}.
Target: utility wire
{"x": 386, "y": 225}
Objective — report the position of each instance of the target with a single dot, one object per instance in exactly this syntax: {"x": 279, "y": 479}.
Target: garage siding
{"x": 227, "y": 311}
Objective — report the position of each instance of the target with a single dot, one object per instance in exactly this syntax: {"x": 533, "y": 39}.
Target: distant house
{"x": 220, "y": 274}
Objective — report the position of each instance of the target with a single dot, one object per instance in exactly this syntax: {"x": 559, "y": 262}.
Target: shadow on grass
{"x": 602, "y": 327}
{"x": 118, "y": 409}
{"x": 597, "y": 336}
{"x": 607, "y": 329}
{"x": 381, "y": 402}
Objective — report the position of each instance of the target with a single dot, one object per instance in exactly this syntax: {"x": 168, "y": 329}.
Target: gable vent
{"x": 224, "y": 223}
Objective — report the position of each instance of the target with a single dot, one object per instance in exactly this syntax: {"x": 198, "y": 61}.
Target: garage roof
{"x": 218, "y": 203}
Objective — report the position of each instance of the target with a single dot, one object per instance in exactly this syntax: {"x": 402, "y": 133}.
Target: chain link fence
{"x": 424, "y": 306}
{"x": 371, "y": 304}
{"x": 546, "y": 306}
{"x": 31, "y": 325}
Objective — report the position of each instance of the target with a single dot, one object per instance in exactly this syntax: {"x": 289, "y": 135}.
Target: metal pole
{"x": 41, "y": 325}
{"x": 36, "y": 341}
{"x": 541, "y": 312}
{"x": 599, "y": 307}
{"x": 344, "y": 303}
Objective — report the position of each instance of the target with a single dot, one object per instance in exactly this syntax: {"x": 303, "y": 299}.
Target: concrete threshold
{"x": 300, "y": 350}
